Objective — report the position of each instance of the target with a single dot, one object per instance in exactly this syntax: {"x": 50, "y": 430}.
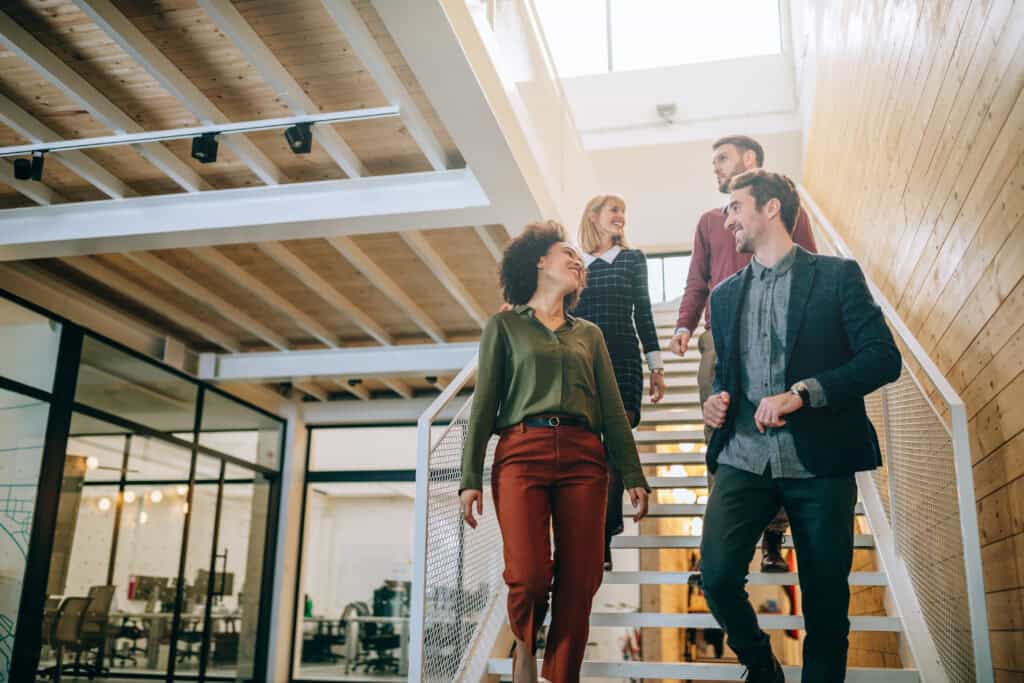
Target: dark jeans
{"x": 821, "y": 518}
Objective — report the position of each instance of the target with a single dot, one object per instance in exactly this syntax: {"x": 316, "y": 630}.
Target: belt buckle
{"x": 554, "y": 421}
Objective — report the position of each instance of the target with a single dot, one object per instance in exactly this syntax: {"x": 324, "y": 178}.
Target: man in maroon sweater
{"x": 713, "y": 260}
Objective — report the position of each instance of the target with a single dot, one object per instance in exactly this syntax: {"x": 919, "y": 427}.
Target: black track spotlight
{"x": 300, "y": 137}
{"x": 29, "y": 169}
{"x": 204, "y": 148}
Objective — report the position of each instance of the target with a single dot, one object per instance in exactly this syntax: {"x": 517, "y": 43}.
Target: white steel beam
{"x": 382, "y": 281}
{"x": 434, "y": 199}
{"x": 324, "y": 289}
{"x": 39, "y": 192}
{"x": 148, "y": 56}
{"x": 433, "y": 260}
{"x": 287, "y": 88}
{"x": 362, "y": 42}
{"x": 30, "y": 128}
{"x": 489, "y": 242}
{"x": 175, "y": 278}
{"x": 53, "y": 69}
{"x": 104, "y": 275}
{"x": 253, "y": 285}
{"x": 374, "y": 361}
{"x": 377, "y": 411}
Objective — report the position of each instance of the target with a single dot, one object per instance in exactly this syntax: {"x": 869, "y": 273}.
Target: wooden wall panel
{"x": 915, "y": 151}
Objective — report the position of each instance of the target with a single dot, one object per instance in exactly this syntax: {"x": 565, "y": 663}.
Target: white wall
{"x": 667, "y": 187}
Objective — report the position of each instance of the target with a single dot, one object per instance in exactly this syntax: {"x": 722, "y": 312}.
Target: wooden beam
{"x": 433, "y": 260}
{"x": 130, "y": 39}
{"x": 489, "y": 242}
{"x": 287, "y": 88}
{"x": 325, "y": 290}
{"x": 311, "y": 389}
{"x": 175, "y": 278}
{"x": 104, "y": 275}
{"x": 357, "y": 390}
{"x": 398, "y": 386}
{"x": 53, "y": 69}
{"x": 233, "y": 271}
{"x": 30, "y": 128}
{"x": 366, "y": 48}
{"x": 382, "y": 281}
{"x": 37, "y": 191}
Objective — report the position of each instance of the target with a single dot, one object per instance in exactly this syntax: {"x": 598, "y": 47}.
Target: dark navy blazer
{"x": 835, "y": 333}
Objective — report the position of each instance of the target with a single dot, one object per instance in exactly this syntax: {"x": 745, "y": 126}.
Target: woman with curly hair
{"x": 616, "y": 300}
{"x": 545, "y": 383}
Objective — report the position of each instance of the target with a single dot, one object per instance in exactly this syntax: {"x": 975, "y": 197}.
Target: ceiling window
{"x": 598, "y": 36}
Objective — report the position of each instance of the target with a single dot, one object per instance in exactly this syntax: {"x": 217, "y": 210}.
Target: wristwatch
{"x": 658, "y": 371}
{"x": 801, "y": 390}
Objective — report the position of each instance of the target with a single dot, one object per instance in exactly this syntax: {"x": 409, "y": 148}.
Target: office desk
{"x": 352, "y": 639}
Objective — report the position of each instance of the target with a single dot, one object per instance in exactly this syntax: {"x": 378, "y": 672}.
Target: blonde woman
{"x": 617, "y": 301}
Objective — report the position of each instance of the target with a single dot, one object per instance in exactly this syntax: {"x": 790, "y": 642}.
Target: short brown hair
{"x": 519, "y": 264}
{"x": 742, "y": 143}
{"x": 765, "y": 185}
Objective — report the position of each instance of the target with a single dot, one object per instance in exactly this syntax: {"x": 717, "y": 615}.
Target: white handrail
{"x": 959, "y": 435}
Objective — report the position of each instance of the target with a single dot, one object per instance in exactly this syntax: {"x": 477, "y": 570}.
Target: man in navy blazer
{"x": 800, "y": 342}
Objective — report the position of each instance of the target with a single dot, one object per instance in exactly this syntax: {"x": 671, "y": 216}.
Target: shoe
{"x": 766, "y": 671}
{"x": 608, "y": 557}
{"x": 772, "y": 561}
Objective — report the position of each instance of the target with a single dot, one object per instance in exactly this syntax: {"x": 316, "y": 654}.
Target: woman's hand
{"x": 638, "y": 497}
{"x": 657, "y": 386}
{"x": 468, "y": 497}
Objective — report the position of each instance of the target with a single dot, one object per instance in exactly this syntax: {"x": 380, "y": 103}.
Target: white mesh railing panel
{"x": 925, "y": 517}
{"x": 463, "y": 565}
{"x": 873, "y": 403}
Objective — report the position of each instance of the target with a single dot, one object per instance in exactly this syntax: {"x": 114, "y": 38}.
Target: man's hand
{"x": 466, "y": 499}
{"x": 715, "y": 409}
{"x": 638, "y": 497}
{"x": 772, "y": 409}
{"x": 505, "y": 307}
{"x": 657, "y": 386}
{"x": 679, "y": 343}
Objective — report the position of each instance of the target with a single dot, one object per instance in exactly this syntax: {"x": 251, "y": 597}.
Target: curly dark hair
{"x": 519, "y": 264}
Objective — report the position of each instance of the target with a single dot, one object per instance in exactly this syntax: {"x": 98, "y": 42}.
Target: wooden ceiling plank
{"x": 357, "y": 390}
{"x": 397, "y": 386}
{"x": 37, "y": 191}
{"x": 30, "y": 128}
{"x": 492, "y": 245}
{"x": 123, "y": 32}
{"x": 311, "y": 279}
{"x": 433, "y": 260}
{"x": 365, "y": 46}
{"x": 235, "y": 27}
{"x": 231, "y": 270}
{"x": 183, "y": 283}
{"x": 311, "y": 389}
{"x": 53, "y": 69}
{"x": 104, "y": 275}
{"x": 382, "y": 281}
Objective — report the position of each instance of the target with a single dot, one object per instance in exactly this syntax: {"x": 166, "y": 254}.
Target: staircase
{"x": 671, "y": 440}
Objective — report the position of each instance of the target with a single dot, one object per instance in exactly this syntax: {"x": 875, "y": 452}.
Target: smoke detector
{"x": 667, "y": 112}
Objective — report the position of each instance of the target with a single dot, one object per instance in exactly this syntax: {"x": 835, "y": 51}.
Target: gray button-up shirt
{"x": 763, "y": 318}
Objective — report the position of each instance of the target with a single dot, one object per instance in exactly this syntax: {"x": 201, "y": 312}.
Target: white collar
{"x": 607, "y": 257}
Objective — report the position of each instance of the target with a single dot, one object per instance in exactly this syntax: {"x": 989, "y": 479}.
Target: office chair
{"x": 66, "y": 633}
{"x": 130, "y": 630}
{"x": 191, "y": 635}
{"x": 92, "y": 633}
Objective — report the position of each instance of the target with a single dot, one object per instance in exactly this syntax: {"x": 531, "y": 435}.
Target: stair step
{"x": 668, "y": 437}
{"x": 706, "y": 671}
{"x": 681, "y": 399}
{"x": 652, "y": 578}
{"x": 677, "y": 482}
{"x": 769, "y": 622}
{"x": 661, "y": 415}
{"x": 666, "y": 542}
{"x": 683, "y": 367}
{"x": 691, "y": 355}
{"x": 672, "y": 458}
{"x": 689, "y": 509}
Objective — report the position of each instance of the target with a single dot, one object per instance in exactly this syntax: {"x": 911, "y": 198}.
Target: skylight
{"x": 647, "y": 34}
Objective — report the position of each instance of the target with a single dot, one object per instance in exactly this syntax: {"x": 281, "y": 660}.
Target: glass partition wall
{"x": 153, "y": 524}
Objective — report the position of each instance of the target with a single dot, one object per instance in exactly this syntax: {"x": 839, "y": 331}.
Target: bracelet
{"x": 658, "y": 371}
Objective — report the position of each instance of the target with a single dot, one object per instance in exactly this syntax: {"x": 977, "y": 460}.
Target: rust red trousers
{"x": 544, "y": 479}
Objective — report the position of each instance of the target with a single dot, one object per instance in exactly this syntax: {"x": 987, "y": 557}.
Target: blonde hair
{"x": 590, "y": 234}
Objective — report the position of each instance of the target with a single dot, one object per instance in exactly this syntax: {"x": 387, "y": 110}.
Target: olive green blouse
{"x": 526, "y": 369}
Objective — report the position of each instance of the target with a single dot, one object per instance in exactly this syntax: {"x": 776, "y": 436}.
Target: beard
{"x": 744, "y": 245}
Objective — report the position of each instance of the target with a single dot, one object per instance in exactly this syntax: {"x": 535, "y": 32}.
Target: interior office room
{"x": 248, "y": 249}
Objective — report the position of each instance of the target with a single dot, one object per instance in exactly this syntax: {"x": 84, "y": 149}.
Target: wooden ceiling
{"x": 247, "y": 297}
